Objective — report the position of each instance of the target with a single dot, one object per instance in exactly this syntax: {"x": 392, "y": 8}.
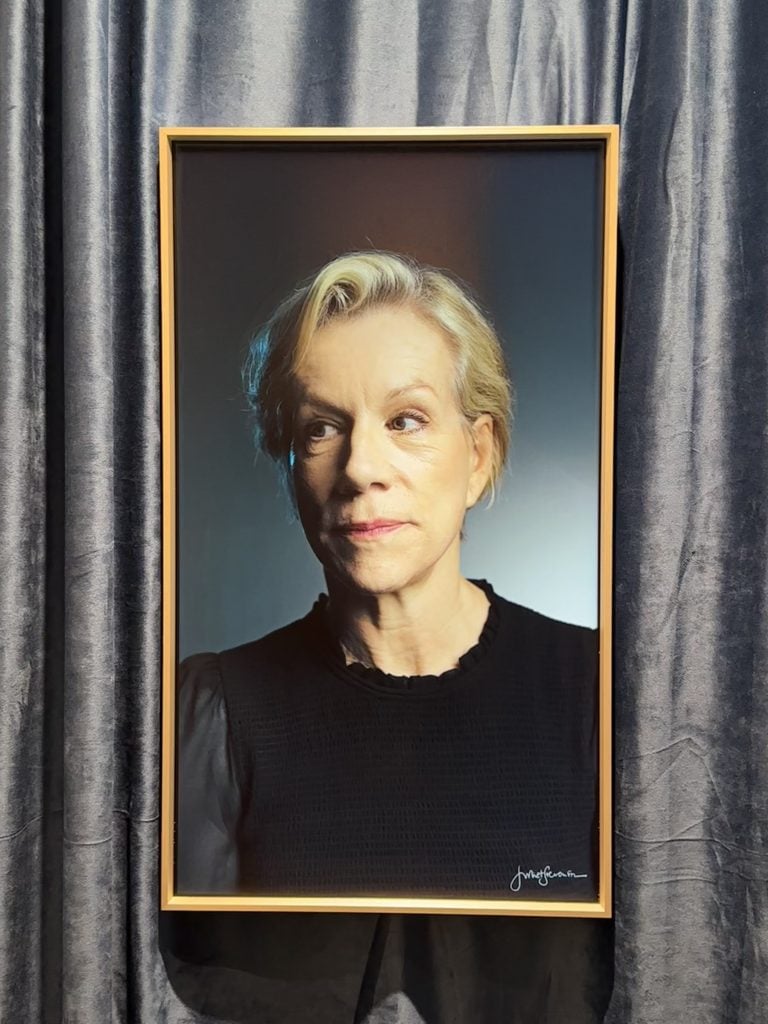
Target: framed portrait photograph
{"x": 388, "y": 384}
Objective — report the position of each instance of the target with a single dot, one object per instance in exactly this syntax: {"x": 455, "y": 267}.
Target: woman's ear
{"x": 482, "y": 457}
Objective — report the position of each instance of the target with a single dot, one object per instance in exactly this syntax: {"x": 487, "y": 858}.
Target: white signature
{"x": 541, "y": 875}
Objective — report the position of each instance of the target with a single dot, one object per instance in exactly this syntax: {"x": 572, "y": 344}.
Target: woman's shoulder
{"x": 546, "y": 627}
{"x": 538, "y": 626}
{"x": 563, "y": 651}
{"x": 207, "y": 665}
{"x": 208, "y": 788}
{"x": 559, "y": 662}
{"x": 200, "y": 670}
{"x": 278, "y": 644}
{"x": 200, "y": 692}
{"x": 209, "y": 678}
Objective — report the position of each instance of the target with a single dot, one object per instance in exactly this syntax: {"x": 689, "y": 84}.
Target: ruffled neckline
{"x": 384, "y": 682}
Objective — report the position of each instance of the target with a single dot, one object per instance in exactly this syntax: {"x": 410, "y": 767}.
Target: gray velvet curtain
{"x": 84, "y": 85}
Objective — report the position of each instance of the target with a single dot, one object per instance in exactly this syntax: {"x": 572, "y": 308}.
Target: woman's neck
{"x": 423, "y": 630}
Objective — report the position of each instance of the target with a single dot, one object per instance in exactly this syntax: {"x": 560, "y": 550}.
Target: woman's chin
{"x": 391, "y": 570}
{"x": 373, "y": 585}
{"x": 374, "y": 580}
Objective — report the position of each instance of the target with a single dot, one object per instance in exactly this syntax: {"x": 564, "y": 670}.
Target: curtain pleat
{"x": 91, "y": 841}
{"x": 23, "y": 804}
{"x": 84, "y": 85}
{"x": 691, "y": 532}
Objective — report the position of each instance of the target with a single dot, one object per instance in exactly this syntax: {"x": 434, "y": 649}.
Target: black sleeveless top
{"x": 299, "y": 774}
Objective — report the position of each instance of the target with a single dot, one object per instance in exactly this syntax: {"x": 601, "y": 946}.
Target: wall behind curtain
{"x": 83, "y": 88}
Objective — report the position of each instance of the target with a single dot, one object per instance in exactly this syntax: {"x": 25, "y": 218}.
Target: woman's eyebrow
{"x": 308, "y": 399}
{"x": 419, "y": 385}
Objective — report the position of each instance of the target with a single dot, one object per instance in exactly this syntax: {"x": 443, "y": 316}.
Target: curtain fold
{"x": 691, "y": 529}
{"x": 23, "y": 800}
{"x": 83, "y": 88}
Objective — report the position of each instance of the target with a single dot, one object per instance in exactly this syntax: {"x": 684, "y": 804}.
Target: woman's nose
{"x": 365, "y": 459}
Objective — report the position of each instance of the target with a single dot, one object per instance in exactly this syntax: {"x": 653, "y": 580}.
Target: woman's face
{"x": 385, "y": 465}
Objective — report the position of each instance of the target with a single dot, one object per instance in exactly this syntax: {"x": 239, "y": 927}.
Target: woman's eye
{"x": 320, "y": 431}
{"x": 406, "y": 423}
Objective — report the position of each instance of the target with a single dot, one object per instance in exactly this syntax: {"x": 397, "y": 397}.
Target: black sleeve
{"x": 208, "y": 798}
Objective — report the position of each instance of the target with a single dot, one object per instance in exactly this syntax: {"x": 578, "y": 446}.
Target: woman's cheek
{"x": 419, "y": 447}
{"x": 312, "y": 477}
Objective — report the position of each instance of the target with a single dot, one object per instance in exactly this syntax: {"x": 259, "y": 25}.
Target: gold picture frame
{"x": 602, "y": 141}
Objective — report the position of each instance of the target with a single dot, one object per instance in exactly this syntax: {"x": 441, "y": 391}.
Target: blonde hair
{"x": 349, "y": 286}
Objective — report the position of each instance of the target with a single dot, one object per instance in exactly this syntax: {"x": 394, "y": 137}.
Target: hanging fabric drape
{"x": 84, "y": 87}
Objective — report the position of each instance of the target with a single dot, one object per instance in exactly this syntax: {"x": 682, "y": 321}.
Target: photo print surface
{"x": 388, "y": 426}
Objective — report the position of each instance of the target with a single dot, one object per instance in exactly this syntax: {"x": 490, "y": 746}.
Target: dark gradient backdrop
{"x": 521, "y": 226}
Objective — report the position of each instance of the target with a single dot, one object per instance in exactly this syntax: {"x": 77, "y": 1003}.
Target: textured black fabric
{"x": 350, "y": 781}
{"x": 83, "y": 86}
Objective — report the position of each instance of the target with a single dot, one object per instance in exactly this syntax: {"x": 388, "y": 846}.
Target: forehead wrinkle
{"x": 308, "y": 397}
{"x": 332, "y": 375}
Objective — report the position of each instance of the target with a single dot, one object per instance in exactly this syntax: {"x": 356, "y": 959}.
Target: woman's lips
{"x": 371, "y": 529}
